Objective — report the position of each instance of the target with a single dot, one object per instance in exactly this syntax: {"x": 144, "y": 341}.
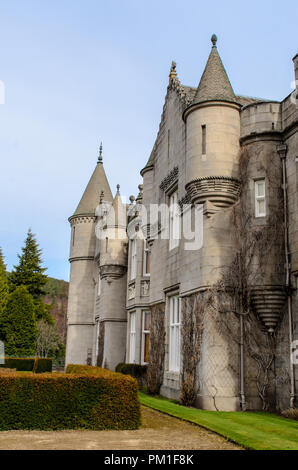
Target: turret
{"x": 113, "y": 267}
{"x": 80, "y": 312}
{"x": 212, "y": 142}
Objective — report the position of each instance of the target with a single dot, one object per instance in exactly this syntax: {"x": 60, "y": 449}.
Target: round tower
{"x": 212, "y": 137}
{"x": 113, "y": 268}
{"x": 80, "y": 311}
{"x": 261, "y": 140}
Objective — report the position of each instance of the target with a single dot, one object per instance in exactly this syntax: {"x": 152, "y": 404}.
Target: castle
{"x": 236, "y": 159}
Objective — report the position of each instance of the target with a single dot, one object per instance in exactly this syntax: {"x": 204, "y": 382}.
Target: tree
{"x": 29, "y": 272}
{"x": 19, "y": 324}
{"x": 48, "y": 340}
{"x": 4, "y": 290}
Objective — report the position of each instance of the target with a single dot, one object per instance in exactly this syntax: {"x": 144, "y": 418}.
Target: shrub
{"x": 42, "y": 364}
{"x": 135, "y": 370}
{"x": 36, "y": 365}
{"x": 69, "y": 401}
{"x": 20, "y": 364}
{"x": 7, "y": 371}
{"x": 292, "y": 413}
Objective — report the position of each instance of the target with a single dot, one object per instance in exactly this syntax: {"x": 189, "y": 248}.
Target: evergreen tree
{"x": 4, "y": 289}
{"x": 29, "y": 272}
{"x": 19, "y": 324}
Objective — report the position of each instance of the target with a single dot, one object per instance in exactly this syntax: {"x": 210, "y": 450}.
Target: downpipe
{"x": 282, "y": 150}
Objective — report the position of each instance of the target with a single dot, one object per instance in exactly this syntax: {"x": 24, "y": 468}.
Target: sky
{"x": 78, "y": 72}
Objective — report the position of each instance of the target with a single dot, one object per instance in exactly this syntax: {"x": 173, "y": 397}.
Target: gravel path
{"x": 158, "y": 432}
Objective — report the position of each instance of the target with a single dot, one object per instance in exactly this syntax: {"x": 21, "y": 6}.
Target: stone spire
{"x": 215, "y": 83}
{"x": 98, "y": 184}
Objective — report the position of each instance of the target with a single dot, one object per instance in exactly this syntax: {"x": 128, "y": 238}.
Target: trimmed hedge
{"x": 7, "y": 371}
{"x": 37, "y": 364}
{"x": 103, "y": 400}
{"x": 135, "y": 370}
{"x": 42, "y": 364}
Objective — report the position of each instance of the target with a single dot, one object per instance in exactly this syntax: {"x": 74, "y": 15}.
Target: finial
{"x": 214, "y": 39}
{"x": 140, "y": 195}
{"x": 132, "y": 199}
{"x": 118, "y": 188}
{"x": 173, "y": 73}
{"x": 100, "y": 154}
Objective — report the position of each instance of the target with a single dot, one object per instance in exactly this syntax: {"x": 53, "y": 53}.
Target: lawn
{"x": 258, "y": 431}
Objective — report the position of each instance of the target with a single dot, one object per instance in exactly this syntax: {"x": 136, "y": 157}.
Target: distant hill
{"x": 58, "y": 295}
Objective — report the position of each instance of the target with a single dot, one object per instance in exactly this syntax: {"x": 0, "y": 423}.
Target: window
{"x": 97, "y": 338}
{"x": 203, "y": 140}
{"x": 146, "y": 259}
{"x": 145, "y": 337}
{"x": 99, "y": 286}
{"x": 132, "y": 338}
{"x": 174, "y": 221}
{"x": 260, "y": 201}
{"x": 73, "y": 235}
{"x": 174, "y": 350}
{"x": 133, "y": 258}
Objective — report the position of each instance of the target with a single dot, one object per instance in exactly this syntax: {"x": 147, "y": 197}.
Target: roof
{"x": 215, "y": 83}
{"x": 90, "y": 199}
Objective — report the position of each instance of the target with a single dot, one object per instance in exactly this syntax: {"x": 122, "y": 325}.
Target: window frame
{"x": 132, "y": 338}
{"x": 146, "y": 257}
{"x": 174, "y": 333}
{"x": 174, "y": 220}
{"x": 144, "y": 334}
{"x": 133, "y": 259}
{"x": 258, "y": 198}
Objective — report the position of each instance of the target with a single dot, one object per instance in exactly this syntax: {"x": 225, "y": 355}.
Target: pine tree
{"x": 19, "y": 324}
{"x": 4, "y": 289}
{"x": 29, "y": 272}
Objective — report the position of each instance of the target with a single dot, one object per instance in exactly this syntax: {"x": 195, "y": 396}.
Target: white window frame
{"x": 132, "y": 338}
{"x": 133, "y": 258}
{"x": 144, "y": 333}
{"x": 145, "y": 258}
{"x": 174, "y": 333}
{"x": 260, "y": 198}
{"x": 174, "y": 222}
{"x": 97, "y": 338}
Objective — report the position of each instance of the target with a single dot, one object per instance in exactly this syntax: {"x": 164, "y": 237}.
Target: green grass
{"x": 258, "y": 431}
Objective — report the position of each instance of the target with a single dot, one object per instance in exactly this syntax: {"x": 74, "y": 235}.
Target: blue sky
{"x": 80, "y": 71}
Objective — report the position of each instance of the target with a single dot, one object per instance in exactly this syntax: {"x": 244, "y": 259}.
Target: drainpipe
{"x": 242, "y": 383}
{"x": 282, "y": 150}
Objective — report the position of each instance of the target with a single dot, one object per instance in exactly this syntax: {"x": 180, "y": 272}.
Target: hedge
{"x": 42, "y": 364}
{"x": 37, "y": 364}
{"x": 135, "y": 370}
{"x": 68, "y": 401}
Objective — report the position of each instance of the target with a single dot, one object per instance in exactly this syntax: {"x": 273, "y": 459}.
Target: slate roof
{"x": 90, "y": 199}
{"x": 215, "y": 83}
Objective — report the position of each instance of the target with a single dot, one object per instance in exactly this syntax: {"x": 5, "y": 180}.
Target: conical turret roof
{"x": 215, "y": 83}
{"x": 98, "y": 183}
{"x": 117, "y": 217}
